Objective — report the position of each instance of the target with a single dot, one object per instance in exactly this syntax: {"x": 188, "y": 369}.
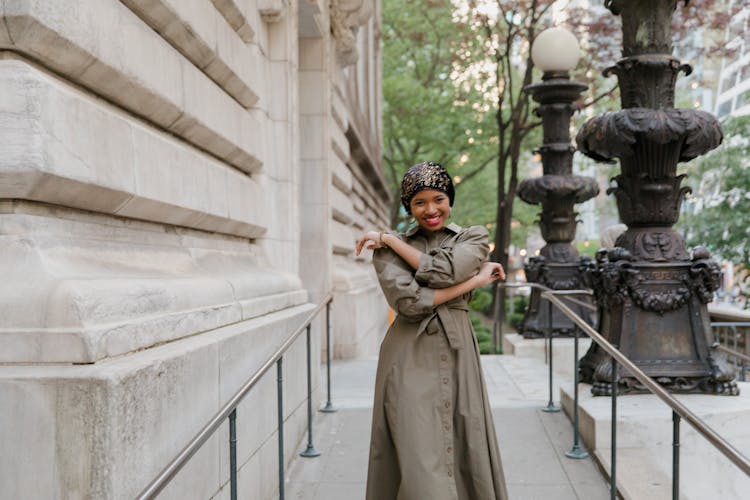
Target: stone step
{"x": 637, "y": 478}
{"x": 644, "y": 436}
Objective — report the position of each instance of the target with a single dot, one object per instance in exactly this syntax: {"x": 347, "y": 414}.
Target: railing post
{"x": 746, "y": 349}
{"x": 575, "y": 451}
{"x": 279, "y": 400}
{"x": 675, "y": 456}
{"x": 613, "y": 465}
{"x": 550, "y": 408}
{"x": 734, "y": 345}
{"x": 497, "y": 327}
{"x": 310, "y": 451}
{"x": 233, "y": 454}
{"x": 328, "y": 408}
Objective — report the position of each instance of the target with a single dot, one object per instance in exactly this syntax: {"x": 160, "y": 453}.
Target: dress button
{"x": 450, "y": 473}
{"x": 447, "y": 427}
{"x": 447, "y": 404}
{"x": 445, "y": 380}
{"x": 449, "y": 449}
{"x": 444, "y": 357}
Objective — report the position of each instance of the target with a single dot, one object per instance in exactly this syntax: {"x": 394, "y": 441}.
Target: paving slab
{"x": 532, "y": 442}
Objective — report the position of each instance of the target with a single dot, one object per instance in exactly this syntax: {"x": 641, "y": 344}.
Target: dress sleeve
{"x": 444, "y": 267}
{"x": 400, "y": 287}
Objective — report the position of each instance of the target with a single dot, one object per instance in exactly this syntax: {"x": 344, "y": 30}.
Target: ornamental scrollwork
{"x": 536, "y": 270}
{"x": 660, "y": 302}
{"x": 563, "y": 284}
{"x": 705, "y": 275}
{"x": 346, "y": 18}
{"x": 614, "y": 134}
{"x": 612, "y": 277}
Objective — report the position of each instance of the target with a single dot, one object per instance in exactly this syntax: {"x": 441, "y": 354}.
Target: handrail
{"x": 174, "y": 466}
{"x": 707, "y": 432}
{"x": 740, "y": 359}
{"x": 731, "y": 352}
{"x": 497, "y": 313}
{"x": 545, "y": 288}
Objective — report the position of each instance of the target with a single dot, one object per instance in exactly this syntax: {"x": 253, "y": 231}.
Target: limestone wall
{"x": 179, "y": 180}
{"x": 343, "y": 188}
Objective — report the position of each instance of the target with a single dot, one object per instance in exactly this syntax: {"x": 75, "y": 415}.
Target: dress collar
{"x": 453, "y": 227}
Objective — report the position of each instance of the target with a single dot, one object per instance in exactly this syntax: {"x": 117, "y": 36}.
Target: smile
{"x": 433, "y": 221}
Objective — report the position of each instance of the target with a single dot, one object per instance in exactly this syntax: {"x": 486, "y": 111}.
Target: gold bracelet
{"x": 382, "y": 242}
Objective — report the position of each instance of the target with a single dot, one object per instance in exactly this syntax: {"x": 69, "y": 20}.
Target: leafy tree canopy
{"x": 428, "y": 116}
{"x": 721, "y": 203}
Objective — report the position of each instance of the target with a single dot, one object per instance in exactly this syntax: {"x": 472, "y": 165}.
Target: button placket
{"x": 445, "y": 374}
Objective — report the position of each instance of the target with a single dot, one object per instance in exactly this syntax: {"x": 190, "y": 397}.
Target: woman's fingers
{"x": 492, "y": 271}
{"x": 359, "y": 245}
{"x": 371, "y": 236}
{"x": 499, "y": 272}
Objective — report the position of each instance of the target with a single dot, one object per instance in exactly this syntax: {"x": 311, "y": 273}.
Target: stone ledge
{"x": 82, "y": 291}
{"x": 103, "y": 46}
{"x": 644, "y": 434}
{"x": 235, "y": 18}
{"x": 47, "y": 154}
{"x": 196, "y": 33}
{"x": 105, "y": 430}
{"x": 562, "y": 350}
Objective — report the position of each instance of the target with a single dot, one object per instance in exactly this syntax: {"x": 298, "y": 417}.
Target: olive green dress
{"x": 432, "y": 431}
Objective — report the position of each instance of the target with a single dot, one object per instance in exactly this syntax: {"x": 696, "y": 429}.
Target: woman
{"x": 432, "y": 432}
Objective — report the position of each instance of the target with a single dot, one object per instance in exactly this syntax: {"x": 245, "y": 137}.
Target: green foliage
{"x": 423, "y": 118}
{"x": 719, "y": 212}
{"x": 720, "y": 217}
{"x": 517, "y": 309}
{"x": 590, "y": 249}
{"x": 483, "y": 333}
{"x": 514, "y": 320}
{"x": 482, "y": 301}
{"x": 520, "y": 303}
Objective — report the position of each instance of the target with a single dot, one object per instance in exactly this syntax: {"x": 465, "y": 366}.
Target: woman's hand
{"x": 373, "y": 237}
{"x": 489, "y": 272}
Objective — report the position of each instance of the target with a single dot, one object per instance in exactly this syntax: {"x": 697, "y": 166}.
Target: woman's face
{"x": 430, "y": 208}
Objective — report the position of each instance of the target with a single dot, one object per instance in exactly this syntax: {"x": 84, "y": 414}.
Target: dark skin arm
{"x": 488, "y": 272}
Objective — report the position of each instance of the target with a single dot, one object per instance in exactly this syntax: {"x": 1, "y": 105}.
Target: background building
{"x": 734, "y": 80}
{"x": 179, "y": 183}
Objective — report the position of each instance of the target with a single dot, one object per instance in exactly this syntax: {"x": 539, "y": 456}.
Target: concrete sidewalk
{"x": 532, "y": 443}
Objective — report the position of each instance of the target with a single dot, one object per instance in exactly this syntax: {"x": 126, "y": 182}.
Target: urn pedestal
{"x": 558, "y": 276}
{"x": 651, "y": 290}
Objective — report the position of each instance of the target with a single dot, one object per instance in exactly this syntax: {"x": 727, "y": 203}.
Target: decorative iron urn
{"x": 557, "y": 191}
{"x": 651, "y": 290}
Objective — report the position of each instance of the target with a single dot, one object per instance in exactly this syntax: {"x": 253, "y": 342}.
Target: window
{"x": 728, "y": 82}
{"x": 724, "y": 108}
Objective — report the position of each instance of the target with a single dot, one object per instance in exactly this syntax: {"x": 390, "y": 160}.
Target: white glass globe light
{"x": 555, "y": 49}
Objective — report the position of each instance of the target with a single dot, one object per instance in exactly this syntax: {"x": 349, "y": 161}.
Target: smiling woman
{"x": 432, "y": 431}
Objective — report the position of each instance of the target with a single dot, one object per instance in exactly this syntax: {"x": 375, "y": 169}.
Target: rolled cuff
{"x": 417, "y": 307}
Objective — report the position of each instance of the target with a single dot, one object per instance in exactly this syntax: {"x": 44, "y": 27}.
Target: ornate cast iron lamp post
{"x": 651, "y": 290}
{"x": 555, "y": 52}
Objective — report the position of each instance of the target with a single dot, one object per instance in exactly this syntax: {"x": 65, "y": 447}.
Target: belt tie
{"x": 448, "y": 321}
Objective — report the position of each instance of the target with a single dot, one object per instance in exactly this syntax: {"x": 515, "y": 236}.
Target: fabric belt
{"x": 448, "y": 321}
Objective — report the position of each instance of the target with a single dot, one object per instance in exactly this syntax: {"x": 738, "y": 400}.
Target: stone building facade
{"x": 180, "y": 183}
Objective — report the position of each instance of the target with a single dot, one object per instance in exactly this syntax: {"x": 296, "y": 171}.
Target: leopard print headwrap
{"x": 425, "y": 175}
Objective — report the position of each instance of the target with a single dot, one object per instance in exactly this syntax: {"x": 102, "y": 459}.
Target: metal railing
{"x": 498, "y": 313}
{"x": 679, "y": 411}
{"x": 229, "y": 411}
{"x": 575, "y": 451}
{"x": 730, "y": 337}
